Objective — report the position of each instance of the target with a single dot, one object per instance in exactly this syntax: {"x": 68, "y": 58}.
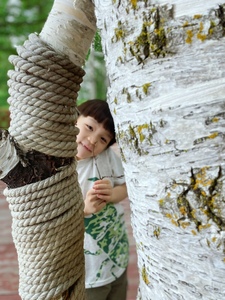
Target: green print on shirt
{"x": 107, "y": 229}
{"x": 93, "y": 179}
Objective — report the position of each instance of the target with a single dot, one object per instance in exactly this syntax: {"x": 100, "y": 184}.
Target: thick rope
{"x": 42, "y": 93}
{"x": 47, "y": 216}
{"x": 48, "y": 234}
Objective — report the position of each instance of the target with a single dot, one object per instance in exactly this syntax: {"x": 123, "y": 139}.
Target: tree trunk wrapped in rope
{"x": 37, "y": 161}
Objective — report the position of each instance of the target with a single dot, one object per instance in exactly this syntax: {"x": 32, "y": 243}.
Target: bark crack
{"x": 221, "y": 16}
{"x": 205, "y": 202}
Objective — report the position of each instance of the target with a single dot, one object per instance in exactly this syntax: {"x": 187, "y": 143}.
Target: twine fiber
{"x": 47, "y": 216}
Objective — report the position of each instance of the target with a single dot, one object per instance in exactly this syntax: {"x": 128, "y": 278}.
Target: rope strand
{"x": 47, "y": 216}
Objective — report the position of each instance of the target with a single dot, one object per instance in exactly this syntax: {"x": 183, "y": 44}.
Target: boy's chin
{"x": 80, "y": 156}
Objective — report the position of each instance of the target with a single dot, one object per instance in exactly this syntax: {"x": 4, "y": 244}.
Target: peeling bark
{"x": 26, "y": 167}
{"x": 8, "y": 155}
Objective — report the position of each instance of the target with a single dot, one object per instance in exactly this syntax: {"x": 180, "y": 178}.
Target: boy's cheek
{"x": 78, "y": 137}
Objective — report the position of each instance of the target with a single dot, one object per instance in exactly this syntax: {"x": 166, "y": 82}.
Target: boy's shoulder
{"x": 115, "y": 149}
{"x": 111, "y": 153}
{"x": 112, "y": 157}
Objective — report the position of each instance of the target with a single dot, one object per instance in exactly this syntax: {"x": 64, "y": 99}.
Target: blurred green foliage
{"x": 19, "y": 18}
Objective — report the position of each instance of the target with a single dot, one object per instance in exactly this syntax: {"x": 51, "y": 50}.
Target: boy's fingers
{"x": 102, "y": 182}
{"x": 102, "y": 186}
{"x": 105, "y": 198}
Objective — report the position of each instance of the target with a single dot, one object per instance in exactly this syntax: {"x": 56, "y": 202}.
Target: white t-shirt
{"x": 106, "y": 245}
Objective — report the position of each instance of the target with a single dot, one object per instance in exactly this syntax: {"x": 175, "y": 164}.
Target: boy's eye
{"x": 89, "y": 127}
{"x": 104, "y": 140}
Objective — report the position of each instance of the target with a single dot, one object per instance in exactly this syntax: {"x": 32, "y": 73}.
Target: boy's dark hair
{"x": 99, "y": 110}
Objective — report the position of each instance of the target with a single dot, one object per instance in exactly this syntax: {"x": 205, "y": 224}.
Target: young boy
{"x": 100, "y": 174}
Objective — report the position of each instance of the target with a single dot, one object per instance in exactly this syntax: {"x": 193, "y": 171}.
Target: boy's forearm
{"x": 119, "y": 193}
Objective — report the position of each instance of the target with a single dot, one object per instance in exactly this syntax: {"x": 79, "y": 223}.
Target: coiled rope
{"x": 42, "y": 92}
{"x": 47, "y": 216}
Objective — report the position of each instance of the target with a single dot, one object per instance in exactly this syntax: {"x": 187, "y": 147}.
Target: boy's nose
{"x": 93, "y": 140}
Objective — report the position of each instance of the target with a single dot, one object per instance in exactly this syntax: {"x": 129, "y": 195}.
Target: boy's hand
{"x": 93, "y": 204}
{"x": 103, "y": 190}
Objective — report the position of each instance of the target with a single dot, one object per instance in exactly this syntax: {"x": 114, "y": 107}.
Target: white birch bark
{"x": 8, "y": 156}
{"x": 70, "y": 28}
{"x": 167, "y": 92}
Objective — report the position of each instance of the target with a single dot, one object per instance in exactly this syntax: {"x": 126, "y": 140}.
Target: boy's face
{"x": 92, "y": 139}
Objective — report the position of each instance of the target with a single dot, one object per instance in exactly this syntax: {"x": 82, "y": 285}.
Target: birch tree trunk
{"x": 37, "y": 154}
{"x": 166, "y": 66}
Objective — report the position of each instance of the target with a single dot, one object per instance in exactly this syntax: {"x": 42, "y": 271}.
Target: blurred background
{"x": 19, "y": 18}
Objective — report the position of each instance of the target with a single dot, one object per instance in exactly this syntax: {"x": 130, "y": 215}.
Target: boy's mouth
{"x": 86, "y": 147}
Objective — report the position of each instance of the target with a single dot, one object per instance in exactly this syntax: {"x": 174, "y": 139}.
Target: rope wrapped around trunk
{"x": 47, "y": 216}
{"x": 43, "y": 90}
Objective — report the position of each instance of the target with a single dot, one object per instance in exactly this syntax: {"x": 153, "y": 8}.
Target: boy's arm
{"x": 119, "y": 193}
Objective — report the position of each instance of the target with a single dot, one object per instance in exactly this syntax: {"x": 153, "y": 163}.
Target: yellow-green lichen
{"x": 197, "y": 16}
{"x": 128, "y": 96}
{"x": 119, "y": 59}
{"x": 156, "y": 232}
{"x": 172, "y": 218}
{"x": 142, "y": 137}
{"x": 203, "y": 189}
{"x": 168, "y": 215}
{"x": 174, "y": 222}
{"x": 205, "y": 138}
{"x": 213, "y": 135}
{"x": 159, "y": 42}
{"x": 134, "y": 136}
{"x": 196, "y": 29}
{"x": 190, "y": 35}
{"x": 186, "y": 24}
{"x": 133, "y": 3}
{"x": 152, "y": 40}
{"x": 129, "y": 100}
{"x": 132, "y": 132}
{"x": 214, "y": 239}
{"x": 122, "y": 155}
{"x": 200, "y": 35}
{"x": 201, "y": 27}
{"x": 119, "y": 34}
{"x": 215, "y": 120}
{"x": 144, "y": 275}
{"x": 184, "y": 225}
{"x": 211, "y": 28}
{"x": 145, "y": 87}
{"x": 201, "y": 179}
{"x": 183, "y": 210}
{"x": 161, "y": 202}
{"x": 203, "y": 226}
{"x": 141, "y": 127}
